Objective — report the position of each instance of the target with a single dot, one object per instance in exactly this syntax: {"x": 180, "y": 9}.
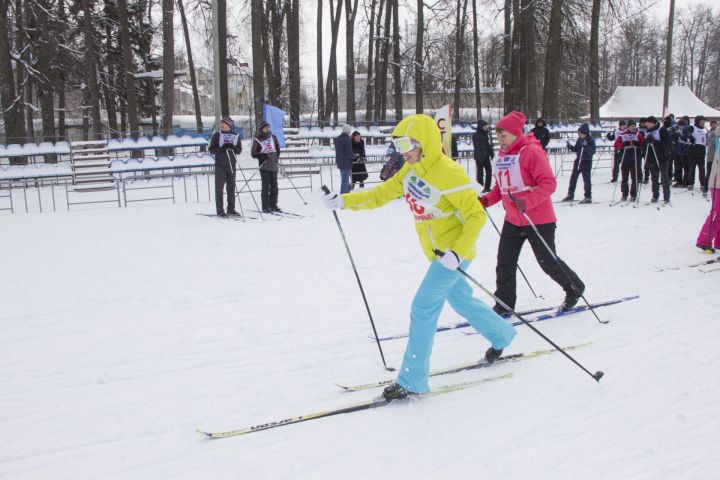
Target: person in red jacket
{"x": 522, "y": 169}
{"x": 631, "y": 142}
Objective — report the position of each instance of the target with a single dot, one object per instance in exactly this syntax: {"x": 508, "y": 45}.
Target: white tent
{"x": 636, "y": 102}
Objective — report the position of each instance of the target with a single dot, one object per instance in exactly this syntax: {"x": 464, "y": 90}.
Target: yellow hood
{"x": 423, "y": 129}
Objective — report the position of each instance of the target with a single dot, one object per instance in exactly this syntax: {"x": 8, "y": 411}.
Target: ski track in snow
{"x": 124, "y": 330}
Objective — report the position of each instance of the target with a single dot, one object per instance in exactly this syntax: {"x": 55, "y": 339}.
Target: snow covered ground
{"x": 124, "y": 330}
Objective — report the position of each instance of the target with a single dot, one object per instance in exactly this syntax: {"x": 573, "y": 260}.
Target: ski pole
{"x": 638, "y": 174}
{"x": 596, "y": 376}
{"x": 357, "y": 277}
{"x": 287, "y": 175}
{"x": 518, "y": 267}
{"x": 557, "y": 259}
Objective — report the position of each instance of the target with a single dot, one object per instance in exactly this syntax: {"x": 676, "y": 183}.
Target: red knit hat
{"x": 513, "y": 122}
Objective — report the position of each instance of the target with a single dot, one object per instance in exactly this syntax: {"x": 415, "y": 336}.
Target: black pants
{"x": 484, "y": 166}
{"x": 224, "y": 176}
{"x": 708, "y": 169}
{"x": 696, "y": 159}
{"x": 585, "y": 168}
{"x": 660, "y": 170}
{"x": 631, "y": 168}
{"x": 269, "y": 194}
{"x": 680, "y": 176}
{"x": 646, "y": 177}
{"x": 512, "y": 239}
{"x": 616, "y": 165}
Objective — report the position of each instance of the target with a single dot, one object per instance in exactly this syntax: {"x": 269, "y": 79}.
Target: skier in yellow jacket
{"x": 448, "y": 218}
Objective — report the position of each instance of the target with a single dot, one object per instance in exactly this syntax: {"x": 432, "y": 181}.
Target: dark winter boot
{"x": 624, "y": 198}
{"x": 654, "y": 200}
{"x": 502, "y": 311}
{"x": 571, "y": 299}
{"x": 585, "y": 200}
{"x": 233, "y": 213}
{"x": 569, "y": 198}
{"x": 705, "y": 248}
{"x": 491, "y": 355}
{"x": 396, "y": 392}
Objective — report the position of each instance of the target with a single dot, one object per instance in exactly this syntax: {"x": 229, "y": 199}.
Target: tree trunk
{"x": 420, "y": 34}
{"x": 11, "y": 105}
{"x": 90, "y": 64}
{"x": 128, "y": 76}
{"x": 277, "y": 15}
{"x": 377, "y": 60}
{"x": 168, "y": 97}
{"x": 269, "y": 77}
{"x": 109, "y": 83}
{"x": 553, "y": 64}
{"x": 20, "y": 37}
{"x": 594, "y": 82}
{"x": 223, "y": 54}
{"x": 369, "y": 91}
{"x": 331, "y": 82}
{"x": 350, "y": 12}
{"x": 397, "y": 73}
{"x": 531, "y": 79}
{"x": 191, "y": 67}
{"x": 293, "y": 38}
{"x": 507, "y": 57}
{"x": 476, "y": 61}
{"x": 258, "y": 59}
{"x": 46, "y": 80}
{"x": 381, "y": 90}
{"x": 319, "y": 47}
{"x": 458, "y": 67}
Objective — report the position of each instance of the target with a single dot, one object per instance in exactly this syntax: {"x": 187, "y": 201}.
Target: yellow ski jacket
{"x": 439, "y": 194}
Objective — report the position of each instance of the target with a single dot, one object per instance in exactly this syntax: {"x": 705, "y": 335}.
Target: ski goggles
{"x": 405, "y": 144}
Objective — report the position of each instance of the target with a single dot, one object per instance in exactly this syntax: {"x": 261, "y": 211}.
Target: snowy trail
{"x": 124, "y": 330}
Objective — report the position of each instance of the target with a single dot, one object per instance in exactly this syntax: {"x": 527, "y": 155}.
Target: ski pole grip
{"x": 438, "y": 252}
{"x": 325, "y": 189}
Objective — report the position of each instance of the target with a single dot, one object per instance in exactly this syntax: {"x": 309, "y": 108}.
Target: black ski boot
{"x": 569, "y": 198}
{"x": 491, "y": 355}
{"x": 585, "y": 200}
{"x": 571, "y": 299}
{"x": 233, "y": 213}
{"x": 396, "y": 392}
{"x": 502, "y": 311}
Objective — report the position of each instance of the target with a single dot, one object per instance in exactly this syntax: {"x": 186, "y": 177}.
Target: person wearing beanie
{"x": 631, "y": 143}
{"x": 359, "y": 171}
{"x": 617, "y": 152}
{"x": 524, "y": 182}
{"x": 225, "y": 146}
{"x": 584, "y": 147}
{"x": 483, "y": 153}
{"x": 697, "y": 138}
{"x": 266, "y": 149}
{"x": 658, "y": 148}
{"x": 344, "y": 157}
{"x": 448, "y": 220}
{"x": 680, "y": 152}
{"x": 709, "y": 237}
{"x": 542, "y": 133}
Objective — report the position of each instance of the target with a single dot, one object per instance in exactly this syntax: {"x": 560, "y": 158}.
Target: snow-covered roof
{"x": 636, "y": 102}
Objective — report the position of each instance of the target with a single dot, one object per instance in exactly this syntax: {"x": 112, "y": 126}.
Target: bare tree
{"x": 293, "y": 40}
{"x": 594, "y": 82}
{"x": 168, "y": 83}
{"x": 553, "y": 56}
{"x": 420, "y": 33}
{"x": 350, "y": 14}
{"x": 397, "y": 73}
{"x": 191, "y": 67}
{"x": 319, "y": 48}
{"x": 258, "y": 59}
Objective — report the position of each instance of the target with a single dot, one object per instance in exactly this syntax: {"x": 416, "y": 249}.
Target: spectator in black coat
{"x": 266, "y": 149}
{"x": 225, "y": 145}
{"x": 483, "y": 153}
{"x": 658, "y": 147}
{"x": 344, "y": 157}
{"x": 541, "y": 133}
{"x": 359, "y": 172}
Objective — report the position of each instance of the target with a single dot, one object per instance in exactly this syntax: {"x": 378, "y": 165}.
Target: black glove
{"x": 569, "y": 144}
{"x": 610, "y": 136}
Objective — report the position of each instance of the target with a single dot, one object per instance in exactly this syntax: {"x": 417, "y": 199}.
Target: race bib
{"x": 228, "y": 139}
{"x": 422, "y": 197}
{"x": 655, "y": 134}
{"x": 700, "y": 136}
{"x": 630, "y": 137}
{"x": 267, "y": 146}
{"x": 506, "y": 170}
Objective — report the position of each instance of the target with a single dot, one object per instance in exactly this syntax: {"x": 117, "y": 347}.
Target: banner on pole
{"x": 443, "y": 119}
{"x": 275, "y": 117}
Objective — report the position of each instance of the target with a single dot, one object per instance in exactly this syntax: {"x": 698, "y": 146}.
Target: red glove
{"x": 519, "y": 203}
{"x": 484, "y": 201}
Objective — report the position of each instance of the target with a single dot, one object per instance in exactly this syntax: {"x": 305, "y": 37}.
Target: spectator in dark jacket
{"x": 585, "y": 149}
{"x": 680, "y": 152}
{"x": 697, "y": 138}
{"x": 541, "y": 133}
{"x": 483, "y": 153}
{"x": 225, "y": 145}
{"x": 359, "y": 172}
{"x": 344, "y": 157}
{"x": 266, "y": 149}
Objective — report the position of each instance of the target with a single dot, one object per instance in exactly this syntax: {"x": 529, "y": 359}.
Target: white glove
{"x": 333, "y": 201}
{"x": 450, "y": 260}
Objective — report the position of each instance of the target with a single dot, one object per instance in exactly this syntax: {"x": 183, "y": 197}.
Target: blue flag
{"x": 275, "y": 117}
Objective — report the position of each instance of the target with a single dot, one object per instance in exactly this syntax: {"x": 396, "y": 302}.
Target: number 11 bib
{"x": 506, "y": 170}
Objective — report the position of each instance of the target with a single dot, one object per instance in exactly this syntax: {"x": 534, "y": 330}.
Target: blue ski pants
{"x": 439, "y": 285}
